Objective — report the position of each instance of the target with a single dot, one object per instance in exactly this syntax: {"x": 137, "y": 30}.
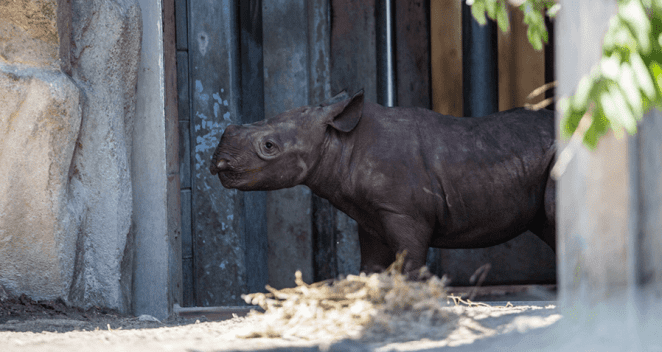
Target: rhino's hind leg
{"x": 544, "y": 224}
{"x": 376, "y": 255}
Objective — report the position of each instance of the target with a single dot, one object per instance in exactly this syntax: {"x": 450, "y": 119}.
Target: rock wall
{"x": 105, "y": 55}
{"x": 68, "y": 71}
{"x": 40, "y": 116}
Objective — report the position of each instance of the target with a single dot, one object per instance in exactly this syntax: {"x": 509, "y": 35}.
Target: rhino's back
{"x": 492, "y": 172}
{"x": 472, "y": 174}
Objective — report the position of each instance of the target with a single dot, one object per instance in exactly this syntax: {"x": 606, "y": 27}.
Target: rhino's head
{"x": 280, "y": 152}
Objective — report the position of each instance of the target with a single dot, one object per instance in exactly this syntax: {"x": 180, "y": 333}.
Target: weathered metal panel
{"x": 181, "y": 22}
{"x": 185, "y": 154}
{"x": 319, "y": 50}
{"x": 286, "y": 78}
{"x": 175, "y": 284}
{"x": 188, "y": 286}
{"x": 173, "y": 201}
{"x": 214, "y": 66}
{"x": 335, "y": 237}
{"x": 171, "y": 95}
{"x": 252, "y": 105}
{"x": 183, "y": 103}
{"x": 413, "y": 53}
{"x": 185, "y": 178}
{"x": 353, "y": 67}
{"x": 323, "y": 213}
{"x": 353, "y": 47}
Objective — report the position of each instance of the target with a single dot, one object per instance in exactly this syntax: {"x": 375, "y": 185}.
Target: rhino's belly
{"x": 499, "y": 218}
{"x": 477, "y": 237}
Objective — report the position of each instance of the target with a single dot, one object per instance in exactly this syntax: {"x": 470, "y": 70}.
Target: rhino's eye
{"x": 268, "y": 145}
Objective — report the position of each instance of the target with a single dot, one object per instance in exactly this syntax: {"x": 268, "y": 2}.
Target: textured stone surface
{"x": 105, "y": 55}
{"x": 29, "y": 32}
{"x": 39, "y": 122}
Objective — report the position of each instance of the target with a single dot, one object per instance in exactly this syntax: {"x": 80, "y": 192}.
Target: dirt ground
{"x": 26, "y": 325}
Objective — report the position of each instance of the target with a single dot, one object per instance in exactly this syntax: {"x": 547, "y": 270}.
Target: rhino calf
{"x": 410, "y": 177}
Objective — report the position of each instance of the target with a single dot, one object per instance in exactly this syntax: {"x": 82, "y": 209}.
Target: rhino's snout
{"x": 220, "y": 163}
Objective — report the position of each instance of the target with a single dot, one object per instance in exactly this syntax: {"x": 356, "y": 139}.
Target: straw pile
{"x": 380, "y": 307}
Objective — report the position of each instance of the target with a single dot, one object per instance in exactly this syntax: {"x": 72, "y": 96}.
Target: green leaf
{"x": 570, "y": 122}
{"x": 610, "y": 66}
{"x": 634, "y": 15}
{"x": 657, "y": 75}
{"x": 580, "y": 99}
{"x": 490, "y": 6}
{"x": 610, "y": 110}
{"x": 478, "y": 11}
{"x": 534, "y": 38}
{"x": 553, "y": 10}
{"x": 502, "y": 18}
{"x": 623, "y": 111}
{"x": 630, "y": 90}
{"x": 643, "y": 76}
{"x": 598, "y": 128}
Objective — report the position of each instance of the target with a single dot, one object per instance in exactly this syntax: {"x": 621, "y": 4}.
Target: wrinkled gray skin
{"x": 410, "y": 177}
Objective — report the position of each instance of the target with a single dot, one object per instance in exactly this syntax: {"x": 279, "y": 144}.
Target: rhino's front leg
{"x": 400, "y": 233}
{"x": 406, "y": 233}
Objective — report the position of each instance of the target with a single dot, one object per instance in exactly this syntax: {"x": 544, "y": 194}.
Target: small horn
{"x": 222, "y": 165}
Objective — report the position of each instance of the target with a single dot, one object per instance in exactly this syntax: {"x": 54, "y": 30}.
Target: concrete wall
{"x": 608, "y": 212}
{"x": 88, "y": 187}
{"x": 72, "y": 67}
{"x": 40, "y": 119}
{"x": 155, "y": 177}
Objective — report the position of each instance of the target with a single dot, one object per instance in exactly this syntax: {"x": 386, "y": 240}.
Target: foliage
{"x": 628, "y": 80}
{"x": 533, "y": 16}
{"x": 625, "y": 84}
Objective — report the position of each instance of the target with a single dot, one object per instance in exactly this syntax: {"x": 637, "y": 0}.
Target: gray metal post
{"x": 479, "y": 66}
{"x": 386, "y": 53}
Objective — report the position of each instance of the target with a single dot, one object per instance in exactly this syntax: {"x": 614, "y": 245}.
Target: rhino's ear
{"x": 336, "y": 98}
{"x": 345, "y": 115}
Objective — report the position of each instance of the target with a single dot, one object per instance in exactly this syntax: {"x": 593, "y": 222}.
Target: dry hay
{"x": 376, "y": 307}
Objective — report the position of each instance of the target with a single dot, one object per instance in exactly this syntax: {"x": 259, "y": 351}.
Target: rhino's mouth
{"x": 244, "y": 179}
{"x": 230, "y": 177}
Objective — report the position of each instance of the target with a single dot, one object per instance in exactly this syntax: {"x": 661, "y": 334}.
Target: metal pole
{"x": 387, "y": 93}
{"x": 479, "y": 66}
